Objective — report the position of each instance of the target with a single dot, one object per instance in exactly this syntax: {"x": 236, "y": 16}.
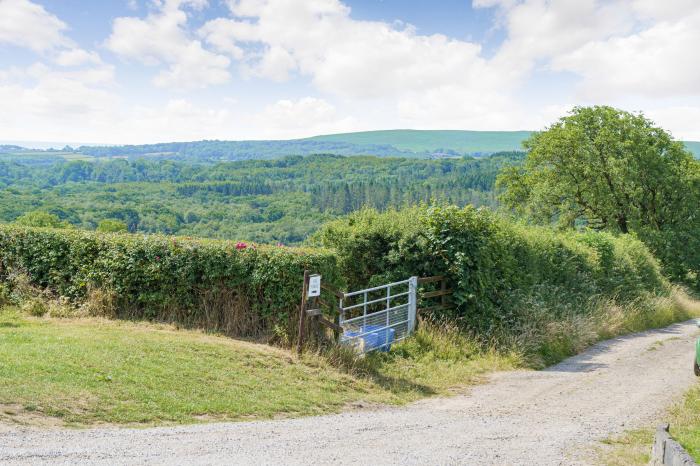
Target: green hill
{"x": 463, "y": 142}
{"x": 694, "y": 147}
{"x": 387, "y": 143}
{"x": 435, "y": 140}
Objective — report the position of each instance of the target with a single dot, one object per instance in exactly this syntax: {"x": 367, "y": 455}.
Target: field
{"x": 461, "y": 142}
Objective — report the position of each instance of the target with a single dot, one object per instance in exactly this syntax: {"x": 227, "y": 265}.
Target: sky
{"x": 143, "y": 71}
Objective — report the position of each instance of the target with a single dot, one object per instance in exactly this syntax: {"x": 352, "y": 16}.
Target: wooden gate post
{"x": 302, "y": 312}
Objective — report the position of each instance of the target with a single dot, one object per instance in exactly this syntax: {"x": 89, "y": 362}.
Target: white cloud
{"x": 177, "y": 120}
{"x": 343, "y": 56}
{"x": 39, "y": 100}
{"x": 76, "y": 57}
{"x": 221, "y": 33}
{"x": 303, "y": 117}
{"x": 655, "y": 62}
{"x": 617, "y": 47}
{"x": 162, "y": 38}
{"x": 637, "y": 54}
{"x": 682, "y": 120}
{"x": 27, "y": 24}
{"x": 541, "y": 29}
{"x": 366, "y": 60}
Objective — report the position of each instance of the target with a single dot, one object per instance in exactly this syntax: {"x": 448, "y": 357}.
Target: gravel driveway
{"x": 522, "y": 417}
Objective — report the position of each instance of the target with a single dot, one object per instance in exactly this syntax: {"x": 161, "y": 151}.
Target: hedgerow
{"x": 226, "y": 286}
{"x": 493, "y": 265}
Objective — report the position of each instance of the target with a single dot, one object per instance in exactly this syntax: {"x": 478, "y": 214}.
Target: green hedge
{"x": 219, "y": 285}
{"x": 491, "y": 263}
{"x": 493, "y": 266}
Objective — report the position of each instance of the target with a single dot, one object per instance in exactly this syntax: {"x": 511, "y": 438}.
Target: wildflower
{"x": 241, "y": 245}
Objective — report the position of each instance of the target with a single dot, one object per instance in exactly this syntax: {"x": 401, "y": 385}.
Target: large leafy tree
{"x": 41, "y": 219}
{"x": 608, "y": 169}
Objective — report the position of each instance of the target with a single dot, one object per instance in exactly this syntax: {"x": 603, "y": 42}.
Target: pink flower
{"x": 241, "y": 245}
{"x": 280, "y": 245}
{"x": 157, "y": 258}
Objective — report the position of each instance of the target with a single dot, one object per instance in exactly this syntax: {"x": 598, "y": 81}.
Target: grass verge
{"x": 70, "y": 371}
{"x": 98, "y": 371}
{"x": 93, "y": 371}
{"x": 633, "y": 448}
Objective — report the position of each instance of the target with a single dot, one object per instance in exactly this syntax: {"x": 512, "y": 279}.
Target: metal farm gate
{"x": 374, "y": 318}
{"x": 369, "y": 319}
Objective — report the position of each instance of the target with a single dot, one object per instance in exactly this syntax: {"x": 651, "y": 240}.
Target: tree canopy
{"x": 41, "y": 219}
{"x": 607, "y": 169}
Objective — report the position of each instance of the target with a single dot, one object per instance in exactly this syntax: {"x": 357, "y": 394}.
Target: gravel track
{"x": 521, "y": 417}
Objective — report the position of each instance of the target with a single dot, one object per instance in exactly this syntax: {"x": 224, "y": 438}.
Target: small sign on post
{"x": 314, "y": 286}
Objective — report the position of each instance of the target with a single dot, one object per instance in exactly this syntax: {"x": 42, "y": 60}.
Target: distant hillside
{"x": 393, "y": 143}
{"x": 462, "y": 142}
{"x": 694, "y": 147}
{"x": 243, "y": 150}
{"x": 389, "y": 143}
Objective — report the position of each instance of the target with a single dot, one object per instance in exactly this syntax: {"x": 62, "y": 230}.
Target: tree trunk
{"x": 622, "y": 224}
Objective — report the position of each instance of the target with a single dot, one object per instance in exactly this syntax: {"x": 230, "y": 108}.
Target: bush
{"x": 219, "y": 285}
{"x": 110, "y": 225}
{"x": 35, "y": 307}
{"x": 492, "y": 265}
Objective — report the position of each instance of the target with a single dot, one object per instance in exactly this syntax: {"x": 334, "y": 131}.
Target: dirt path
{"x": 522, "y": 417}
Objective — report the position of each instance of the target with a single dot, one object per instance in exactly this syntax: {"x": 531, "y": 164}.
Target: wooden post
{"x": 317, "y": 326}
{"x": 443, "y": 288}
{"x": 302, "y": 312}
{"x": 336, "y": 332}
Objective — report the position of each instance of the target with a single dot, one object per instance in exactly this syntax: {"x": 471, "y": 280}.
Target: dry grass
{"x": 546, "y": 335}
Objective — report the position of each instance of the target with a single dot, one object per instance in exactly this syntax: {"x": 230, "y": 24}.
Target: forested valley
{"x": 282, "y": 200}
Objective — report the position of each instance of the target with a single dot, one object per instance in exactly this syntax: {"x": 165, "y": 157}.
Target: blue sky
{"x": 137, "y": 71}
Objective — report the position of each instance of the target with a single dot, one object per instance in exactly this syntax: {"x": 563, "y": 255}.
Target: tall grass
{"x": 546, "y": 333}
{"x": 442, "y": 355}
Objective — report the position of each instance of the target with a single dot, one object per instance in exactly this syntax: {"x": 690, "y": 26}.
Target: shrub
{"x": 493, "y": 265}
{"x": 110, "y": 225}
{"x": 236, "y": 288}
{"x": 35, "y": 307}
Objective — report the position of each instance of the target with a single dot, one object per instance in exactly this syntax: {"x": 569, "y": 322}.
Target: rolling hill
{"x": 463, "y": 142}
{"x": 387, "y": 143}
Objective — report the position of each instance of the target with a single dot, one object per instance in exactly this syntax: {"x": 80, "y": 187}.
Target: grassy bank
{"x": 92, "y": 371}
{"x": 88, "y": 371}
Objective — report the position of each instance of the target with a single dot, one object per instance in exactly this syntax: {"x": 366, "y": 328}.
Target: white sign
{"x": 314, "y": 286}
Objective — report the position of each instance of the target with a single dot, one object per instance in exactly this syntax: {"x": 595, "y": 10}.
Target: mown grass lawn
{"x": 93, "y": 371}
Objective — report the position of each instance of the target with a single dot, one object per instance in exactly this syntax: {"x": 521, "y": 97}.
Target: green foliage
{"x": 41, "y": 219}
{"x": 612, "y": 170}
{"x": 266, "y": 201}
{"x": 493, "y": 265}
{"x": 111, "y": 226}
{"x": 35, "y": 307}
{"x": 236, "y": 288}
